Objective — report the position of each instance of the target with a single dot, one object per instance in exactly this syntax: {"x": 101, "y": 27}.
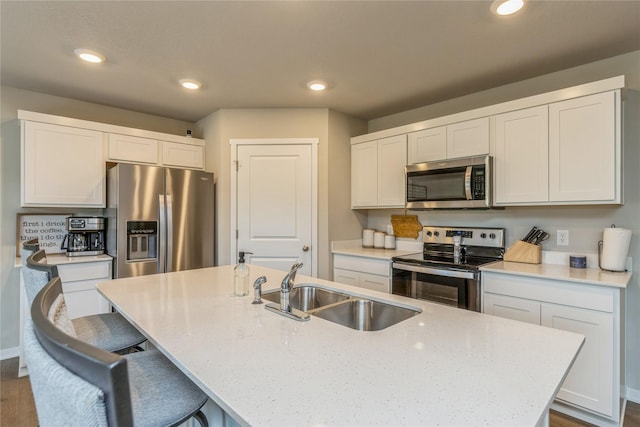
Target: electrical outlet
{"x": 563, "y": 237}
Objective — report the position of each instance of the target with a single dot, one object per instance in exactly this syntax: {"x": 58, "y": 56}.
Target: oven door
{"x": 457, "y": 288}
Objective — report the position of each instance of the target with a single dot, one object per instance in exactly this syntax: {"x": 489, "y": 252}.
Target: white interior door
{"x": 275, "y": 204}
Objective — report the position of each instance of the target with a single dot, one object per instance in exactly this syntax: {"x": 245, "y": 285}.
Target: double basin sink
{"x": 351, "y": 311}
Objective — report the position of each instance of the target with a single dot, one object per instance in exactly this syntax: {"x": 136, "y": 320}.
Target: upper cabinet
{"x": 377, "y": 173}
{"x": 463, "y": 139}
{"x": 564, "y": 153}
{"x": 63, "y": 160}
{"x": 585, "y": 149}
{"x": 61, "y": 166}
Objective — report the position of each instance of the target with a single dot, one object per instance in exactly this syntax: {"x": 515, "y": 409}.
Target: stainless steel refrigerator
{"x": 159, "y": 219}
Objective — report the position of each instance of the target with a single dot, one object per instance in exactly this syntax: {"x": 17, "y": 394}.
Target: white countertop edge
{"x": 58, "y": 259}
{"x": 355, "y": 248}
{"x": 588, "y": 276}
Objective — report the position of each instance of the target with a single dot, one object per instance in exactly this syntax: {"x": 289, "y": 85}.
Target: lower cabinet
{"x": 79, "y": 281}
{"x": 593, "y": 383}
{"x": 369, "y": 273}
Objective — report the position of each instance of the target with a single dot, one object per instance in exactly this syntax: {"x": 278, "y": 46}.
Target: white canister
{"x": 613, "y": 248}
{"x": 389, "y": 241}
{"x": 367, "y": 238}
{"x": 378, "y": 239}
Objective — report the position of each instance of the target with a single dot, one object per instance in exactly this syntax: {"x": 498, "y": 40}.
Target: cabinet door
{"x": 427, "y": 145}
{"x": 583, "y": 153}
{"x": 79, "y": 286}
{"x": 364, "y": 174}
{"x": 182, "y": 155}
{"x": 521, "y": 156}
{"x": 392, "y": 158}
{"x": 347, "y": 277}
{"x": 520, "y": 309}
{"x": 62, "y": 166}
{"x": 133, "y": 149}
{"x": 470, "y": 138}
{"x": 590, "y": 382}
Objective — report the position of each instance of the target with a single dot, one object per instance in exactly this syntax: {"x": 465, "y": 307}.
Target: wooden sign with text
{"x": 49, "y": 229}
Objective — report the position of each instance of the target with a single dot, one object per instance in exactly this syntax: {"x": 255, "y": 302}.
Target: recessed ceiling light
{"x": 506, "y": 7}
{"x": 190, "y": 84}
{"x": 317, "y": 85}
{"x": 89, "y": 55}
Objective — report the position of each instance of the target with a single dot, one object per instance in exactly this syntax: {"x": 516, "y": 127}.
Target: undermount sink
{"x": 353, "y": 312}
{"x": 307, "y": 297}
{"x": 365, "y": 315}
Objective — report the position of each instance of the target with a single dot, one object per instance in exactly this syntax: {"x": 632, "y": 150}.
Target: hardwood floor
{"x": 18, "y": 410}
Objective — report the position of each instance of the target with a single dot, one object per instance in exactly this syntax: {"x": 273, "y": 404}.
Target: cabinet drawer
{"x": 512, "y": 308}
{"x": 85, "y": 271}
{"x": 372, "y": 266}
{"x": 347, "y": 277}
{"x": 554, "y": 291}
{"x": 375, "y": 282}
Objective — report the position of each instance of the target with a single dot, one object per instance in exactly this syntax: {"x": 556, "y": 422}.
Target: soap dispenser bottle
{"x": 241, "y": 277}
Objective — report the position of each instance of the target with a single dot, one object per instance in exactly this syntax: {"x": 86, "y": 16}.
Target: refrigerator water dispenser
{"x": 142, "y": 240}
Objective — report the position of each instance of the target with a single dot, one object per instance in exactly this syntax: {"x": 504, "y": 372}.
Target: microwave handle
{"x": 467, "y": 182}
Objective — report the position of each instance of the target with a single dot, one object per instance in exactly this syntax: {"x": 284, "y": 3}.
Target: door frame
{"x": 233, "y": 205}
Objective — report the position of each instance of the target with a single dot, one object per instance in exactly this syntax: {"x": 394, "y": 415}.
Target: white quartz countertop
{"x": 445, "y": 366}
{"x": 587, "y": 276}
{"x": 59, "y": 259}
{"x": 355, "y": 248}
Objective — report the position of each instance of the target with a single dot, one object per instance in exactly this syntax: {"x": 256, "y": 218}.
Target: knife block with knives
{"x": 528, "y": 249}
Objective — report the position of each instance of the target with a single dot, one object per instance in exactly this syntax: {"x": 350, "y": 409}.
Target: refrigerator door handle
{"x": 162, "y": 216}
{"x": 169, "y": 239}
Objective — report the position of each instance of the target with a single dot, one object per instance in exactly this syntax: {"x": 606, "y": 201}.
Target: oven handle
{"x": 435, "y": 271}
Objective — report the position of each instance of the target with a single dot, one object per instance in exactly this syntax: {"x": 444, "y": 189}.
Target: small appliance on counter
{"x": 85, "y": 236}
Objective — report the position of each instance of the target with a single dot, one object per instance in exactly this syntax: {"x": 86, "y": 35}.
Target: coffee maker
{"x": 85, "y": 236}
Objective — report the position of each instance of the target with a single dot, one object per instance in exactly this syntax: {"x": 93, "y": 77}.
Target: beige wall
{"x": 11, "y": 100}
{"x": 585, "y": 224}
{"x": 333, "y": 131}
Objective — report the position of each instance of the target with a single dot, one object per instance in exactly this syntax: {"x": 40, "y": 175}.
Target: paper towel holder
{"x": 600, "y": 245}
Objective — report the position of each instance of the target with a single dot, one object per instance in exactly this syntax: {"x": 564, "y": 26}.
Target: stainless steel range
{"x": 447, "y": 270}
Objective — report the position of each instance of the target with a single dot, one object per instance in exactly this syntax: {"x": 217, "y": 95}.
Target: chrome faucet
{"x": 286, "y": 286}
{"x": 257, "y": 290}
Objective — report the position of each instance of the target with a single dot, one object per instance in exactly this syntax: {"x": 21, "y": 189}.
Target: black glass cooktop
{"x": 469, "y": 262}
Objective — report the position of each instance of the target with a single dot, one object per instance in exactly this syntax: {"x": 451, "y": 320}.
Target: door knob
{"x": 305, "y": 248}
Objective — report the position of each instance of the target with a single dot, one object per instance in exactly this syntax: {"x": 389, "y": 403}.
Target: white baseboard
{"x": 9, "y": 353}
{"x": 633, "y": 395}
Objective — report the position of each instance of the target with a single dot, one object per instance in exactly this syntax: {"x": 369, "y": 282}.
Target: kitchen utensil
{"x": 541, "y": 238}
{"x": 406, "y": 226}
{"x": 530, "y": 234}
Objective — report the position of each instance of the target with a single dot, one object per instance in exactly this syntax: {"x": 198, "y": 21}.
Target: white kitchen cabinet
{"x": 463, "y": 139}
{"x": 61, "y": 166}
{"x": 468, "y": 138}
{"x": 182, "y": 155}
{"x": 521, "y": 156}
{"x": 132, "y": 149}
{"x": 584, "y": 149}
{"x": 427, "y": 145}
{"x": 377, "y": 173}
{"x": 369, "y": 273}
{"x": 591, "y": 390}
{"x": 79, "y": 278}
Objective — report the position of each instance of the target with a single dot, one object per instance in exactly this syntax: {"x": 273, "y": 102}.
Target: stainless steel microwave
{"x": 450, "y": 184}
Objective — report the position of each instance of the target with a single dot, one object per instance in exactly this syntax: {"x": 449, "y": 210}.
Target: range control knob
{"x": 429, "y": 233}
{"x": 492, "y": 235}
{"x": 436, "y": 233}
{"x": 483, "y": 235}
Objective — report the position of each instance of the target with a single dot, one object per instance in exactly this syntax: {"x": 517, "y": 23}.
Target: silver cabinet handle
{"x": 305, "y": 248}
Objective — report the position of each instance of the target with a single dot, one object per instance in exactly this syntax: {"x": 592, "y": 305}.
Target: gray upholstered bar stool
{"x": 108, "y": 331}
{"x": 77, "y": 384}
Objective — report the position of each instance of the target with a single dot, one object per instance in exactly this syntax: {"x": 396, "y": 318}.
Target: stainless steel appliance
{"x": 451, "y": 184}
{"x": 447, "y": 270}
{"x": 85, "y": 236}
{"x": 159, "y": 219}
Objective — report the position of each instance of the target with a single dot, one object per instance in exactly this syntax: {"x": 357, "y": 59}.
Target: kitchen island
{"x": 444, "y": 366}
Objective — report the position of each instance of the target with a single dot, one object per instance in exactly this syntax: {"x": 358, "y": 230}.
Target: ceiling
{"x": 379, "y": 57}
